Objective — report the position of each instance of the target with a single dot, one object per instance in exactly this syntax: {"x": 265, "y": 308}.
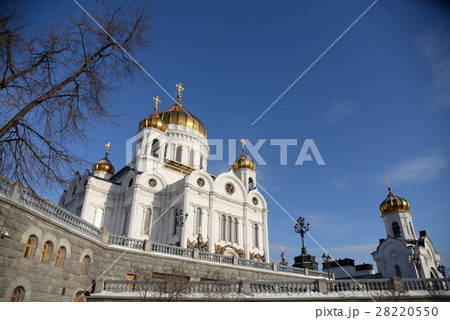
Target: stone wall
{"x": 46, "y": 282}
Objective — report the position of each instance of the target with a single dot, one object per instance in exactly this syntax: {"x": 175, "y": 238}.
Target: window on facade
{"x": 255, "y": 235}
{"x": 79, "y": 296}
{"x": 396, "y": 229}
{"x": 17, "y": 295}
{"x": 155, "y": 148}
{"x": 229, "y": 229}
{"x": 175, "y": 221}
{"x": 46, "y": 252}
{"x": 178, "y": 154}
{"x": 250, "y": 184}
{"x": 60, "y": 256}
{"x": 236, "y": 230}
{"x": 85, "y": 265}
{"x": 398, "y": 272}
{"x": 130, "y": 286}
{"x": 202, "y": 162}
{"x": 411, "y": 228}
{"x": 29, "y": 247}
{"x": 165, "y": 150}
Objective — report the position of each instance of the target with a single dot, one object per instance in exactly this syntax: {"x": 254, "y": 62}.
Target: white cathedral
{"x": 166, "y": 195}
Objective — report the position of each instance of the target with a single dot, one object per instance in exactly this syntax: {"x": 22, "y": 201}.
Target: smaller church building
{"x": 402, "y": 253}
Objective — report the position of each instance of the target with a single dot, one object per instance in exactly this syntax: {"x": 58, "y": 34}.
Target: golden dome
{"x": 153, "y": 120}
{"x": 104, "y": 165}
{"x": 177, "y": 114}
{"x": 393, "y": 203}
{"x": 243, "y": 161}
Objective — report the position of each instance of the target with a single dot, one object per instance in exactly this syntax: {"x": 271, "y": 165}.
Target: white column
{"x": 265, "y": 237}
{"x": 183, "y": 243}
{"x": 246, "y": 244}
{"x": 211, "y": 223}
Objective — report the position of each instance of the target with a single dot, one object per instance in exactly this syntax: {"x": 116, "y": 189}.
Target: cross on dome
{"x": 157, "y": 101}
{"x": 180, "y": 88}
{"x": 243, "y": 145}
{"x": 108, "y": 145}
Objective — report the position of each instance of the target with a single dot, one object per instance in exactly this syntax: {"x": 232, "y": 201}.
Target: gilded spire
{"x": 157, "y": 101}
{"x": 243, "y": 145}
{"x": 180, "y": 88}
{"x": 108, "y": 145}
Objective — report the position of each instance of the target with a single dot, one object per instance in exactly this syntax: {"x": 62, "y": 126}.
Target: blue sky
{"x": 376, "y": 104}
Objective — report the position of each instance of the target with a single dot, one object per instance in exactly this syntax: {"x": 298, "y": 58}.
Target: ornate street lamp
{"x": 326, "y": 262}
{"x": 180, "y": 218}
{"x": 301, "y": 228}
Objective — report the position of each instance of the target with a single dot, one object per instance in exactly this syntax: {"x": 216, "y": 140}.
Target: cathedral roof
{"x": 177, "y": 114}
{"x": 393, "y": 203}
{"x": 244, "y": 160}
{"x": 104, "y": 165}
{"x": 154, "y": 120}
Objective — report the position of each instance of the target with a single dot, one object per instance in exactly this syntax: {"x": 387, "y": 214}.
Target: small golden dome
{"x": 153, "y": 120}
{"x": 393, "y": 203}
{"x": 243, "y": 161}
{"x": 177, "y": 114}
{"x": 104, "y": 165}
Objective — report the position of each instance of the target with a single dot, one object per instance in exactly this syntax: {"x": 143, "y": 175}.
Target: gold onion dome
{"x": 104, "y": 165}
{"x": 243, "y": 161}
{"x": 393, "y": 203}
{"x": 154, "y": 120}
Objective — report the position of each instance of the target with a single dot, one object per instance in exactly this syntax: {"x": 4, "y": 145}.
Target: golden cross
{"x": 282, "y": 248}
{"x": 157, "y": 101}
{"x": 243, "y": 144}
{"x": 200, "y": 230}
{"x": 180, "y": 88}
{"x": 387, "y": 181}
{"x": 108, "y": 145}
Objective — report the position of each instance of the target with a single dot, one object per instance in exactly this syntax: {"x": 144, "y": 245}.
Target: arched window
{"x": 28, "y": 251}
{"x": 17, "y": 295}
{"x": 178, "y": 155}
{"x": 155, "y": 148}
{"x": 396, "y": 229}
{"x": 85, "y": 265}
{"x": 165, "y": 150}
{"x": 175, "y": 213}
{"x": 60, "y": 256}
{"x": 46, "y": 252}
{"x": 230, "y": 228}
{"x": 256, "y": 236}
{"x": 398, "y": 272}
{"x": 202, "y": 162}
{"x": 250, "y": 184}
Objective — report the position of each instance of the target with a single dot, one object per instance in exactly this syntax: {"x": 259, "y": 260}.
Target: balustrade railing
{"x": 279, "y": 287}
{"x": 215, "y": 257}
{"x": 126, "y": 242}
{"x": 282, "y": 268}
{"x": 172, "y": 250}
{"x": 16, "y": 192}
{"x": 358, "y": 285}
{"x": 255, "y": 264}
{"x": 431, "y": 284}
{"x": 213, "y": 287}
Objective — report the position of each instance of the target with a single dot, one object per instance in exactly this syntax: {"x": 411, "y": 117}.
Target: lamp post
{"x": 302, "y": 228}
{"x": 180, "y": 221}
{"x": 326, "y": 262}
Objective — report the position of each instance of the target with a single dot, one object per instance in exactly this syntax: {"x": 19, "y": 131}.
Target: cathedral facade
{"x": 166, "y": 195}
